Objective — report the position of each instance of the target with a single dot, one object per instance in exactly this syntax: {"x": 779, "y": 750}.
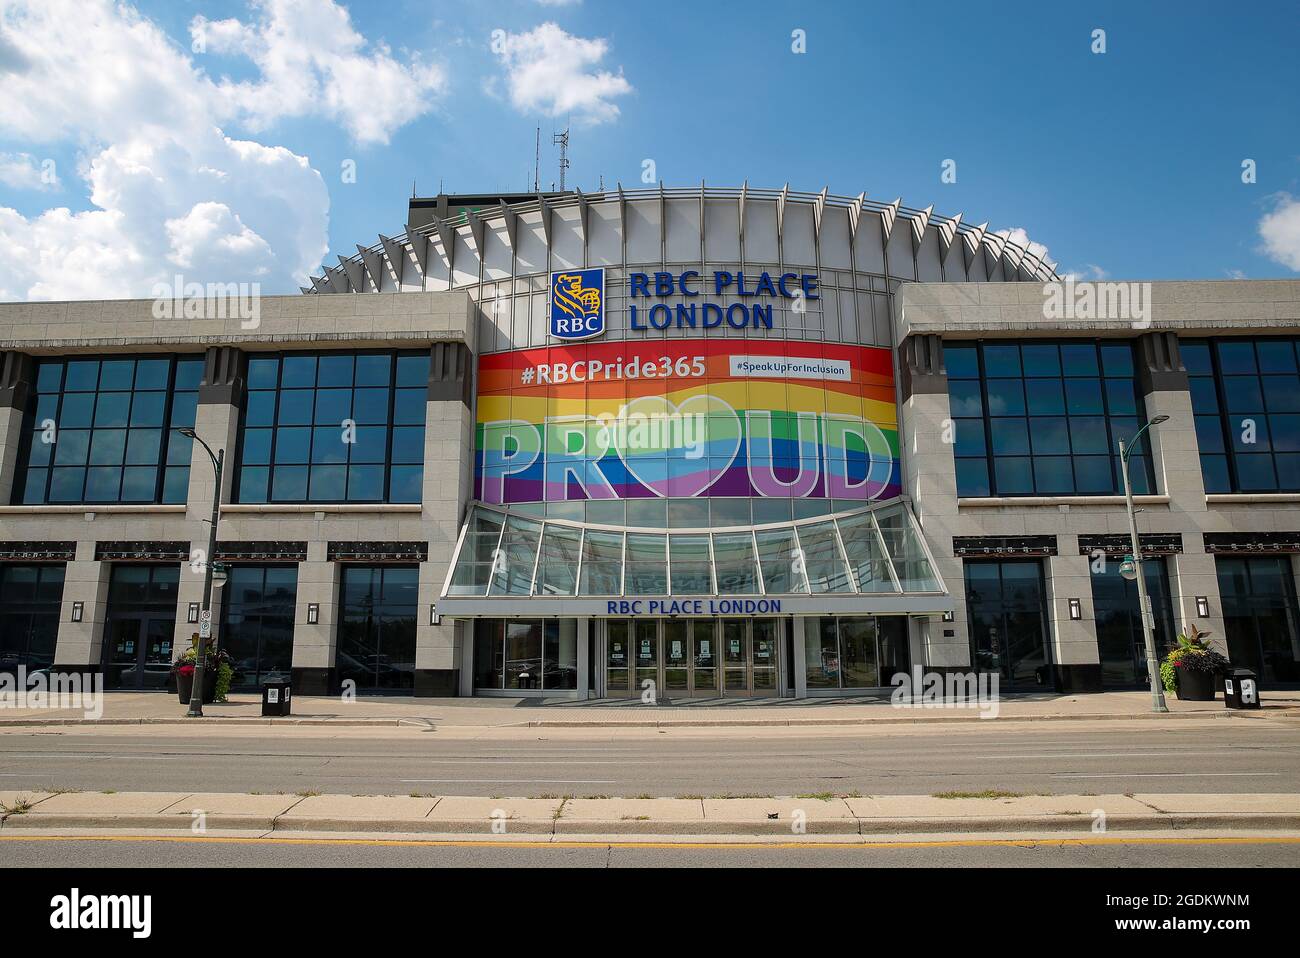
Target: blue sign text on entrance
{"x": 693, "y": 607}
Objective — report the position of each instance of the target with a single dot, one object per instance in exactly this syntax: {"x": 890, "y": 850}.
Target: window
{"x": 1261, "y": 619}
{"x": 377, "y": 631}
{"x": 334, "y": 427}
{"x": 528, "y": 654}
{"x": 29, "y": 615}
{"x": 854, "y": 652}
{"x": 257, "y": 622}
{"x": 1246, "y": 399}
{"x": 102, "y": 431}
{"x": 1044, "y": 418}
{"x": 1121, "y": 643}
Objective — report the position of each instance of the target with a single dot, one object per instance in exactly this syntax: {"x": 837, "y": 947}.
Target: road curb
{"x": 561, "y": 827}
{"x": 432, "y": 724}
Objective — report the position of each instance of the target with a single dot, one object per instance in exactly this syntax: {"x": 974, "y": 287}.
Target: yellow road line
{"x": 568, "y": 843}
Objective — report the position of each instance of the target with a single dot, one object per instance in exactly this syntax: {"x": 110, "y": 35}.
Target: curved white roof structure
{"x": 692, "y": 225}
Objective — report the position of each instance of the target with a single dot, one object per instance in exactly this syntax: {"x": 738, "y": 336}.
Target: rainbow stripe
{"x": 698, "y": 430}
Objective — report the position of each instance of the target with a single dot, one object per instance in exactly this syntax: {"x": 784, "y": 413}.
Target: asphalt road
{"x": 207, "y": 853}
{"x": 1030, "y": 757}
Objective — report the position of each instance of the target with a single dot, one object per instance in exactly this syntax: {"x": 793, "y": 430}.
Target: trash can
{"x": 1241, "y": 689}
{"x": 275, "y": 697}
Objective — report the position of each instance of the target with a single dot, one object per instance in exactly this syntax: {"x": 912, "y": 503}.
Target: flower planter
{"x": 185, "y": 687}
{"x": 1195, "y": 686}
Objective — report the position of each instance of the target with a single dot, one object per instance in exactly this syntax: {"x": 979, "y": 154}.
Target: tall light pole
{"x": 1131, "y": 568}
{"x": 218, "y": 460}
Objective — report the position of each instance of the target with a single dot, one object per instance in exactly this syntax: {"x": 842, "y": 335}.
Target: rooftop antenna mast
{"x": 562, "y": 141}
{"x": 537, "y": 162}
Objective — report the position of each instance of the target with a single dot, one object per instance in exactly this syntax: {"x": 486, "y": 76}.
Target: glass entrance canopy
{"x": 872, "y": 560}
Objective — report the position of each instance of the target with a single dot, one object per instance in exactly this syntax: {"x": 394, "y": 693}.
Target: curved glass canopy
{"x": 875, "y": 552}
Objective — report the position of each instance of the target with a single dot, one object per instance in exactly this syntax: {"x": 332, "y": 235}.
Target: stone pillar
{"x": 85, "y": 580}
{"x": 1192, "y": 574}
{"x": 17, "y": 374}
{"x": 448, "y": 487}
{"x": 930, "y": 481}
{"x": 216, "y": 421}
{"x": 1076, "y": 659}
{"x": 1176, "y": 457}
{"x": 315, "y": 646}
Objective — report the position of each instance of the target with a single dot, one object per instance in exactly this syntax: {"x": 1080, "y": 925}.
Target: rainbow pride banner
{"x": 686, "y": 417}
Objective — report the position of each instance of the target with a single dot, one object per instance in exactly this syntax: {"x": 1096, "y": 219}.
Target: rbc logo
{"x": 578, "y": 303}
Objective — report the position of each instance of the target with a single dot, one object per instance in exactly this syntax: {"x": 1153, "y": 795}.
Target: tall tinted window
{"x": 29, "y": 615}
{"x": 1044, "y": 418}
{"x": 1261, "y": 619}
{"x": 377, "y": 629}
{"x": 257, "y": 622}
{"x": 101, "y": 430}
{"x": 1121, "y": 642}
{"x": 334, "y": 427}
{"x": 1246, "y": 397}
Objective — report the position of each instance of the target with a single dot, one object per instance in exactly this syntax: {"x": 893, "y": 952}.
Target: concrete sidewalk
{"x": 205, "y": 813}
{"x": 126, "y": 708}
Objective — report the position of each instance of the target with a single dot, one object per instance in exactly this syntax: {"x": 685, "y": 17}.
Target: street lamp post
{"x": 218, "y": 460}
{"x": 1131, "y": 568}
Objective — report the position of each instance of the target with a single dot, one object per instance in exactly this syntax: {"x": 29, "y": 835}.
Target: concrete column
{"x": 1191, "y": 574}
{"x": 1176, "y": 457}
{"x": 315, "y": 647}
{"x": 930, "y": 481}
{"x": 216, "y": 421}
{"x": 85, "y": 580}
{"x": 448, "y": 487}
{"x": 17, "y": 372}
{"x": 1076, "y": 659}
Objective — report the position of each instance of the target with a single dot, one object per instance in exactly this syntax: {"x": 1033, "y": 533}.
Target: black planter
{"x": 185, "y": 687}
{"x": 1195, "y": 686}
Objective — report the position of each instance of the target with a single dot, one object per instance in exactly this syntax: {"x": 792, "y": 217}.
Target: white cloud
{"x": 170, "y": 190}
{"x": 1019, "y": 237}
{"x": 312, "y": 61}
{"x": 1280, "y": 231}
{"x": 559, "y": 3}
{"x": 554, "y": 73}
{"x": 22, "y": 171}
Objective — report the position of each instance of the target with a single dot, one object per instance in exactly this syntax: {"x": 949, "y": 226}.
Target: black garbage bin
{"x": 1241, "y": 689}
{"x": 275, "y": 697}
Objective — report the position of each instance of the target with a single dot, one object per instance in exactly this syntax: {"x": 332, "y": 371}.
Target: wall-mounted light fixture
{"x": 434, "y": 617}
{"x": 1202, "y": 607}
{"x": 313, "y": 613}
{"x": 949, "y": 616}
{"x": 77, "y": 608}
{"x": 1076, "y": 609}
{"x": 193, "y": 615}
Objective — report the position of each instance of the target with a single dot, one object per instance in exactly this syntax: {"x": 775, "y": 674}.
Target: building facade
{"x": 707, "y": 442}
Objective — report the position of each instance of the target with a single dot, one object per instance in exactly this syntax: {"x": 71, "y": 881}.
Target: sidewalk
{"x": 128, "y": 708}
{"x": 694, "y": 815}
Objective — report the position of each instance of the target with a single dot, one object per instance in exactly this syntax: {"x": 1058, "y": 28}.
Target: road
{"x": 298, "y": 853}
{"x": 1211, "y": 755}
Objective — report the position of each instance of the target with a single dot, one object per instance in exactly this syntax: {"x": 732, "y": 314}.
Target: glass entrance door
{"x": 140, "y": 653}
{"x": 735, "y": 655}
{"x": 700, "y": 658}
{"x": 645, "y": 649}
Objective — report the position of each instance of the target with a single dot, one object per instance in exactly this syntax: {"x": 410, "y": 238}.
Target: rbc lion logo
{"x": 577, "y": 303}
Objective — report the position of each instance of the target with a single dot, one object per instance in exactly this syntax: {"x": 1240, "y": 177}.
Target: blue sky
{"x": 1126, "y": 163}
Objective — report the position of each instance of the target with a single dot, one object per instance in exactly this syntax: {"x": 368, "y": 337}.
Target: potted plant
{"x": 183, "y": 668}
{"x": 1190, "y": 668}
